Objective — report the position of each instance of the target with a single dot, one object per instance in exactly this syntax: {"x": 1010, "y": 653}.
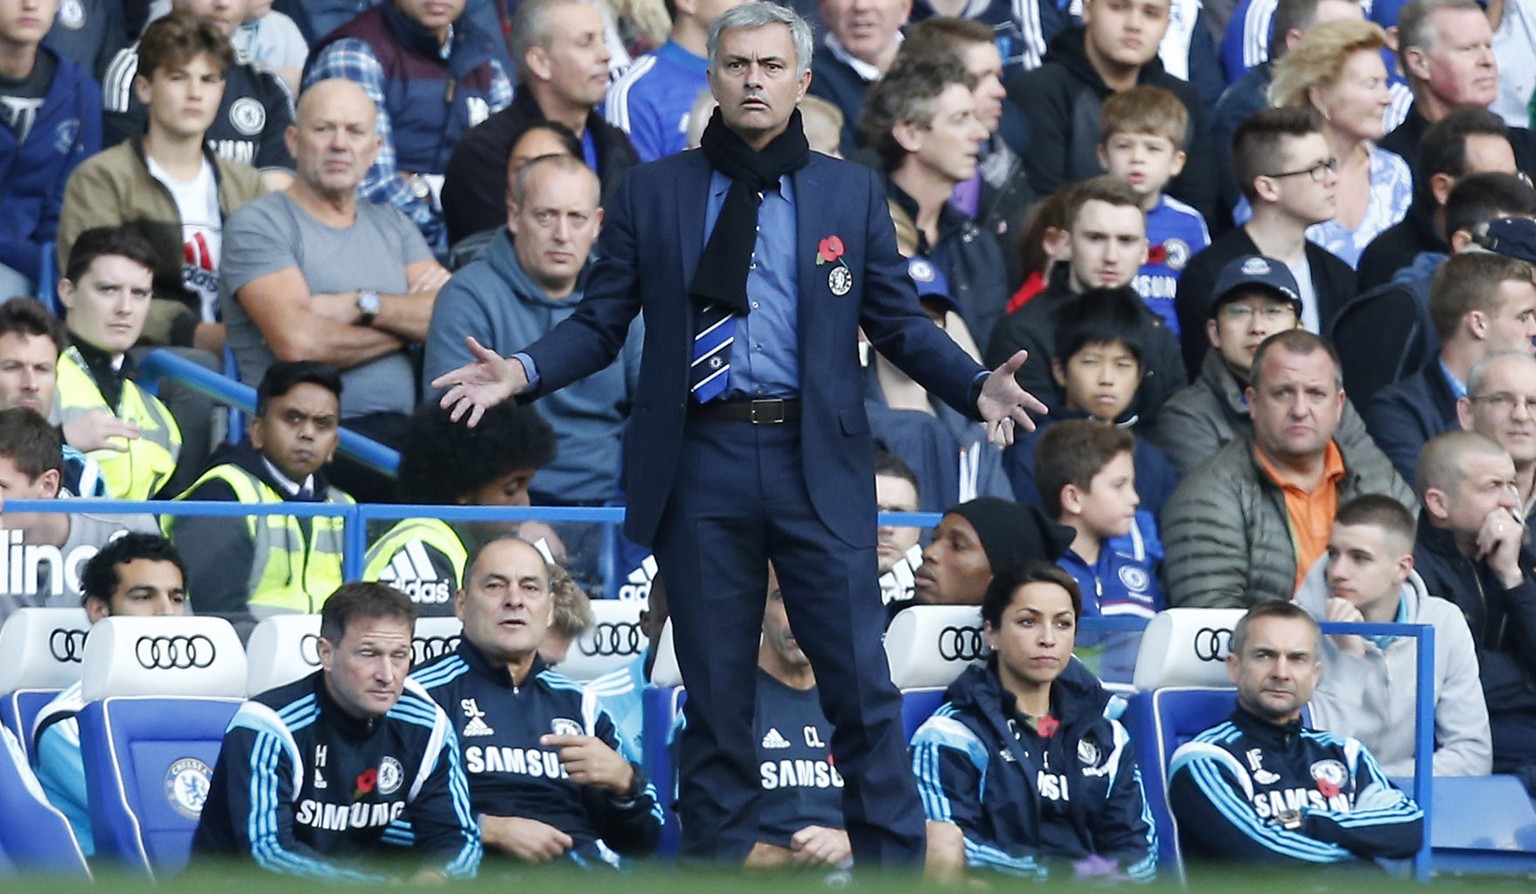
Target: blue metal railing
{"x": 242, "y": 397}
{"x": 355, "y": 518}
{"x": 1423, "y": 720}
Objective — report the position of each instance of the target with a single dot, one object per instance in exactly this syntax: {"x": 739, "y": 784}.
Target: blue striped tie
{"x": 710, "y": 371}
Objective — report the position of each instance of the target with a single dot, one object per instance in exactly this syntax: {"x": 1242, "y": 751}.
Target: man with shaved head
{"x": 1471, "y": 549}
{"x": 311, "y": 273}
{"x": 1501, "y": 403}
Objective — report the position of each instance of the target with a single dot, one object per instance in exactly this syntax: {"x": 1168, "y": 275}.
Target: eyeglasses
{"x": 1274, "y": 313}
{"x": 1319, "y": 171}
{"x": 1505, "y": 402}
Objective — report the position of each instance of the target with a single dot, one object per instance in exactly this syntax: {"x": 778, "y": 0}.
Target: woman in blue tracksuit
{"x": 1019, "y": 770}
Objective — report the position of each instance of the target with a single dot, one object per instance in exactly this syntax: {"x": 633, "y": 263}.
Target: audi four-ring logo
{"x": 309, "y": 649}
{"x": 960, "y": 643}
{"x": 174, "y": 652}
{"x": 67, "y": 645}
{"x": 1212, "y": 644}
{"x": 613, "y": 638}
{"x": 426, "y": 648}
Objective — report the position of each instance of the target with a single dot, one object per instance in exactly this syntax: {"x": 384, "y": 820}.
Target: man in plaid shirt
{"x": 433, "y": 75}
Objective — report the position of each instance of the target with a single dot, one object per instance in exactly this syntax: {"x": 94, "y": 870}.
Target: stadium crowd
{"x": 1275, "y": 275}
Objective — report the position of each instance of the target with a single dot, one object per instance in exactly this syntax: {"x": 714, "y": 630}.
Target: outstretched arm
{"x": 1004, "y": 405}
{"x": 480, "y": 384}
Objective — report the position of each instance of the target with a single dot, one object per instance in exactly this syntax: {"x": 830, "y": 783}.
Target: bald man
{"x": 1501, "y": 403}
{"x": 311, "y": 273}
{"x": 1471, "y": 550}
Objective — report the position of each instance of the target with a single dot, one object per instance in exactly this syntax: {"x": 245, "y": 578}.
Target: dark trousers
{"x": 739, "y": 502}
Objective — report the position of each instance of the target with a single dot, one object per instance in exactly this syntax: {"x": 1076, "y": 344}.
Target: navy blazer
{"x": 653, "y": 234}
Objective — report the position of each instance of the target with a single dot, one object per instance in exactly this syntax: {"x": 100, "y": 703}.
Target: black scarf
{"x": 721, "y": 276}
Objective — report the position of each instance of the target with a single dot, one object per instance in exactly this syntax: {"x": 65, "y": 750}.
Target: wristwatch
{"x": 369, "y": 305}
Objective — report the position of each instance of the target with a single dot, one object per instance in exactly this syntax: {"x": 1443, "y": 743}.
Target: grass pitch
{"x": 563, "y": 879}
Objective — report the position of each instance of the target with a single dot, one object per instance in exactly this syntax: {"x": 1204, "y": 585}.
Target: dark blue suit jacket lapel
{"x": 692, "y": 202}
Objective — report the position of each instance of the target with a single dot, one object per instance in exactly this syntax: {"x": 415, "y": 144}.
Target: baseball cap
{"x": 930, "y": 282}
{"x": 1513, "y": 237}
{"x": 1254, "y": 272}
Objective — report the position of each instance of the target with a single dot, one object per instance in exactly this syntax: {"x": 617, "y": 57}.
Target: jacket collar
{"x": 136, "y": 142}
{"x": 1069, "y": 49}
{"x": 350, "y": 725}
{"x": 1224, "y": 383}
{"x": 950, "y": 217}
{"x": 1270, "y": 735}
{"x": 498, "y": 673}
{"x": 415, "y": 38}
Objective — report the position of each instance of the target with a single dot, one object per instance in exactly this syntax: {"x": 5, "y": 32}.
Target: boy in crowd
{"x": 253, "y": 113}
{"x": 50, "y": 119}
{"x": 167, "y": 183}
{"x": 1106, "y": 243}
{"x": 1143, "y": 131}
{"x": 1086, "y": 474}
{"x": 1368, "y": 576}
{"x": 1098, "y": 366}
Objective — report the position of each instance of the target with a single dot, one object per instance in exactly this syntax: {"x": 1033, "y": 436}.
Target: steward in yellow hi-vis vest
{"x": 422, "y": 558}
{"x": 107, "y": 287}
{"x": 139, "y": 472}
{"x": 246, "y": 567}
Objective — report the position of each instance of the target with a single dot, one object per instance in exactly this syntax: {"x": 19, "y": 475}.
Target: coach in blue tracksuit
{"x": 1261, "y": 787}
{"x": 1019, "y": 770}
{"x": 545, "y": 772}
{"x": 325, "y": 776}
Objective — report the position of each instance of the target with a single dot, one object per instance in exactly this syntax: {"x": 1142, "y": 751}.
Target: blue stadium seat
{"x": 34, "y": 837}
{"x": 662, "y": 705}
{"x": 282, "y": 648}
{"x": 48, "y": 278}
{"x": 43, "y": 649}
{"x": 927, "y": 647}
{"x": 146, "y": 779}
{"x": 1182, "y": 684}
{"x": 1482, "y": 824}
{"x": 1159, "y": 722}
{"x": 234, "y": 431}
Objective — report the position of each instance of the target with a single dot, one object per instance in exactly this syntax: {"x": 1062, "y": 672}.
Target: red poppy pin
{"x": 1157, "y": 254}
{"x": 839, "y": 278}
{"x": 366, "y": 781}
{"x": 1047, "y": 726}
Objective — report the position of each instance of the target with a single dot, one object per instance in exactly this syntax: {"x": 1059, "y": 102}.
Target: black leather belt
{"x": 757, "y": 412}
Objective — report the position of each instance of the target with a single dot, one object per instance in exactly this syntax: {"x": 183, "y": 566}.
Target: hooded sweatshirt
{"x": 1025, "y": 800}
{"x": 496, "y": 301}
{"x": 1372, "y": 698}
{"x": 1061, "y": 101}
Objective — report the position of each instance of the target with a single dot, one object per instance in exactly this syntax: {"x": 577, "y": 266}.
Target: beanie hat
{"x": 1014, "y": 533}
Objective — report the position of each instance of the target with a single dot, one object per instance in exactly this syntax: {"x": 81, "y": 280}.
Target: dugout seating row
{"x": 1179, "y": 688}
{"x": 146, "y": 779}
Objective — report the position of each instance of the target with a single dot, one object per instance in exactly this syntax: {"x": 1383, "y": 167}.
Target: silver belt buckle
{"x": 768, "y": 412}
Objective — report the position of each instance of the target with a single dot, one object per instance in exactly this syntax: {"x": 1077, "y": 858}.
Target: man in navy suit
{"x": 755, "y": 263}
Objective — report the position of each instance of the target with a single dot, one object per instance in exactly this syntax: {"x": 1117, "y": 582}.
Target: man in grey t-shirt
{"x": 311, "y": 273}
